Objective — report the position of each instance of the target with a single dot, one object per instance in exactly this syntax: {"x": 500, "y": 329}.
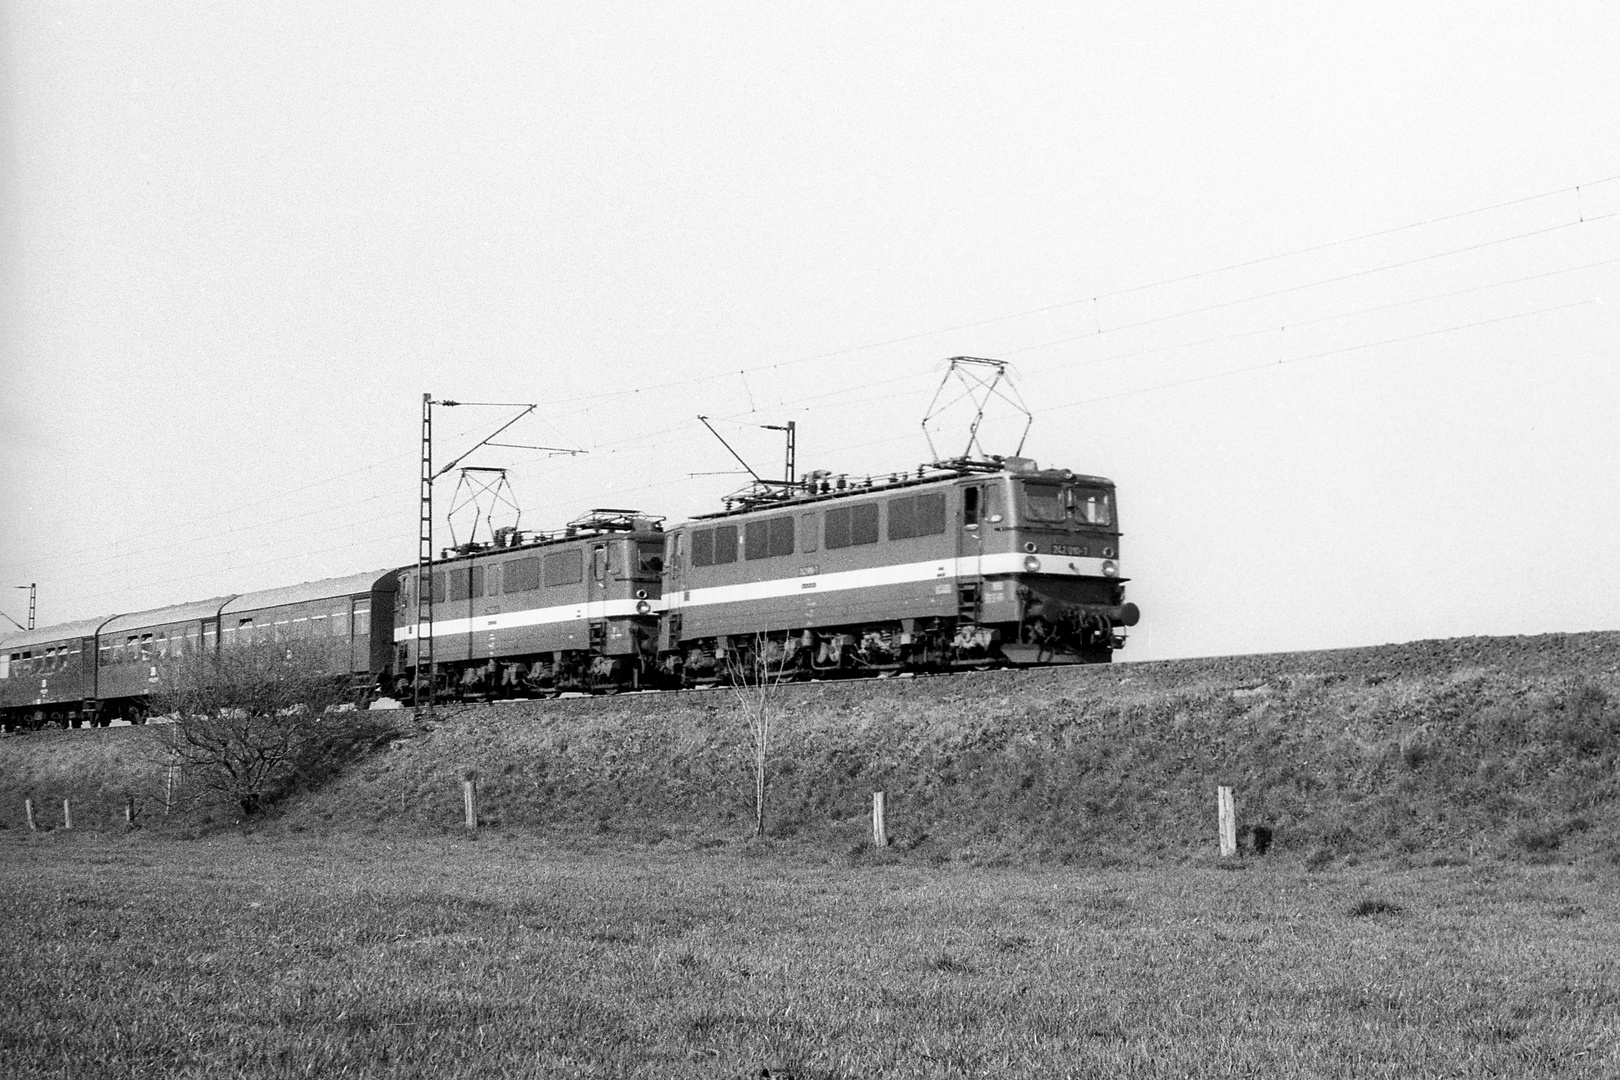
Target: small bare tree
{"x": 755, "y": 675}
{"x": 251, "y": 723}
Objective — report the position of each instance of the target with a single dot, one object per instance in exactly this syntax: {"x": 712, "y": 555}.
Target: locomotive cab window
{"x": 1071, "y": 504}
{"x": 1089, "y": 506}
{"x": 649, "y": 559}
{"x": 1043, "y": 503}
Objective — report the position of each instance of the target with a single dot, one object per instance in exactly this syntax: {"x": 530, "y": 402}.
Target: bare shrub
{"x": 756, "y": 673}
{"x": 251, "y": 724}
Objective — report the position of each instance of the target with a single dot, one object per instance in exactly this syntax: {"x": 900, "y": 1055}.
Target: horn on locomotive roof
{"x": 980, "y": 381}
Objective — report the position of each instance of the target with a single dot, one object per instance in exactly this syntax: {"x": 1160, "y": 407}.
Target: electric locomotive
{"x": 536, "y": 613}
{"x": 966, "y": 563}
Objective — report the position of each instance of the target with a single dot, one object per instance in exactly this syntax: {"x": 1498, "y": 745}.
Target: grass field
{"x": 503, "y": 956}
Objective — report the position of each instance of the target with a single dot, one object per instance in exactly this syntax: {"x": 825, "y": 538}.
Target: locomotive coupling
{"x": 1121, "y": 615}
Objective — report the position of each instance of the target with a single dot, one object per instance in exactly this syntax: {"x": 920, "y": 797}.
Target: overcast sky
{"x": 1327, "y": 289}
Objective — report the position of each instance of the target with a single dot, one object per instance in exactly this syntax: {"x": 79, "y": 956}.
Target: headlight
{"x": 1110, "y": 568}
{"x": 642, "y": 607}
{"x": 1032, "y": 565}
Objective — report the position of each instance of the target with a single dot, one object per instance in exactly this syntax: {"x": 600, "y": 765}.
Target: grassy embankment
{"x": 1445, "y": 751}
{"x": 506, "y": 956}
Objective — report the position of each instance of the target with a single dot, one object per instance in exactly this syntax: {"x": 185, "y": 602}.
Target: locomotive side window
{"x": 807, "y": 529}
{"x": 768, "y": 538}
{"x": 970, "y": 506}
{"x": 917, "y": 515}
{"x": 459, "y": 580}
{"x": 850, "y": 526}
{"x": 438, "y": 588}
{"x": 714, "y": 547}
{"x": 703, "y": 547}
{"x": 522, "y": 575}
{"x": 478, "y": 576}
{"x": 599, "y": 562}
{"x": 725, "y": 544}
{"x": 565, "y": 568}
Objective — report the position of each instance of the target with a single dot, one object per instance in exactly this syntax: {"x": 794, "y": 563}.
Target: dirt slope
{"x": 1439, "y": 749}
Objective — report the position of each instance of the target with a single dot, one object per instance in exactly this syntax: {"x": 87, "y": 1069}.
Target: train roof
{"x": 136, "y": 620}
{"x": 324, "y": 589}
{"x": 779, "y": 495}
{"x": 46, "y": 635}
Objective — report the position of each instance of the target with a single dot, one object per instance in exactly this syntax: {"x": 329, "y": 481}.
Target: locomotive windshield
{"x": 1071, "y": 504}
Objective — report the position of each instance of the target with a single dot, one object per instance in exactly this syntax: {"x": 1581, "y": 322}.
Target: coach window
{"x": 5, "y": 664}
{"x": 340, "y": 623}
{"x": 362, "y": 617}
{"x": 244, "y": 631}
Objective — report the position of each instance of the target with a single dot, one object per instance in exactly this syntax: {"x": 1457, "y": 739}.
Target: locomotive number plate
{"x": 1068, "y": 549}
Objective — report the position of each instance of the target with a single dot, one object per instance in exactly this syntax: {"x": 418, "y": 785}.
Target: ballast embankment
{"x": 1453, "y": 749}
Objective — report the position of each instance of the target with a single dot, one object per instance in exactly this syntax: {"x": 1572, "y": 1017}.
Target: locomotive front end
{"x": 1070, "y": 592}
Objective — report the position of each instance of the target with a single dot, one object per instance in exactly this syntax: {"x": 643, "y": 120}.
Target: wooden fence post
{"x": 1228, "y": 821}
{"x": 168, "y": 789}
{"x": 129, "y": 809}
{"x": 67, "y": 814}
{"x": 880, "y": 831}
{"x": 28, "y": 808}
{"x": 469, "y": 799}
